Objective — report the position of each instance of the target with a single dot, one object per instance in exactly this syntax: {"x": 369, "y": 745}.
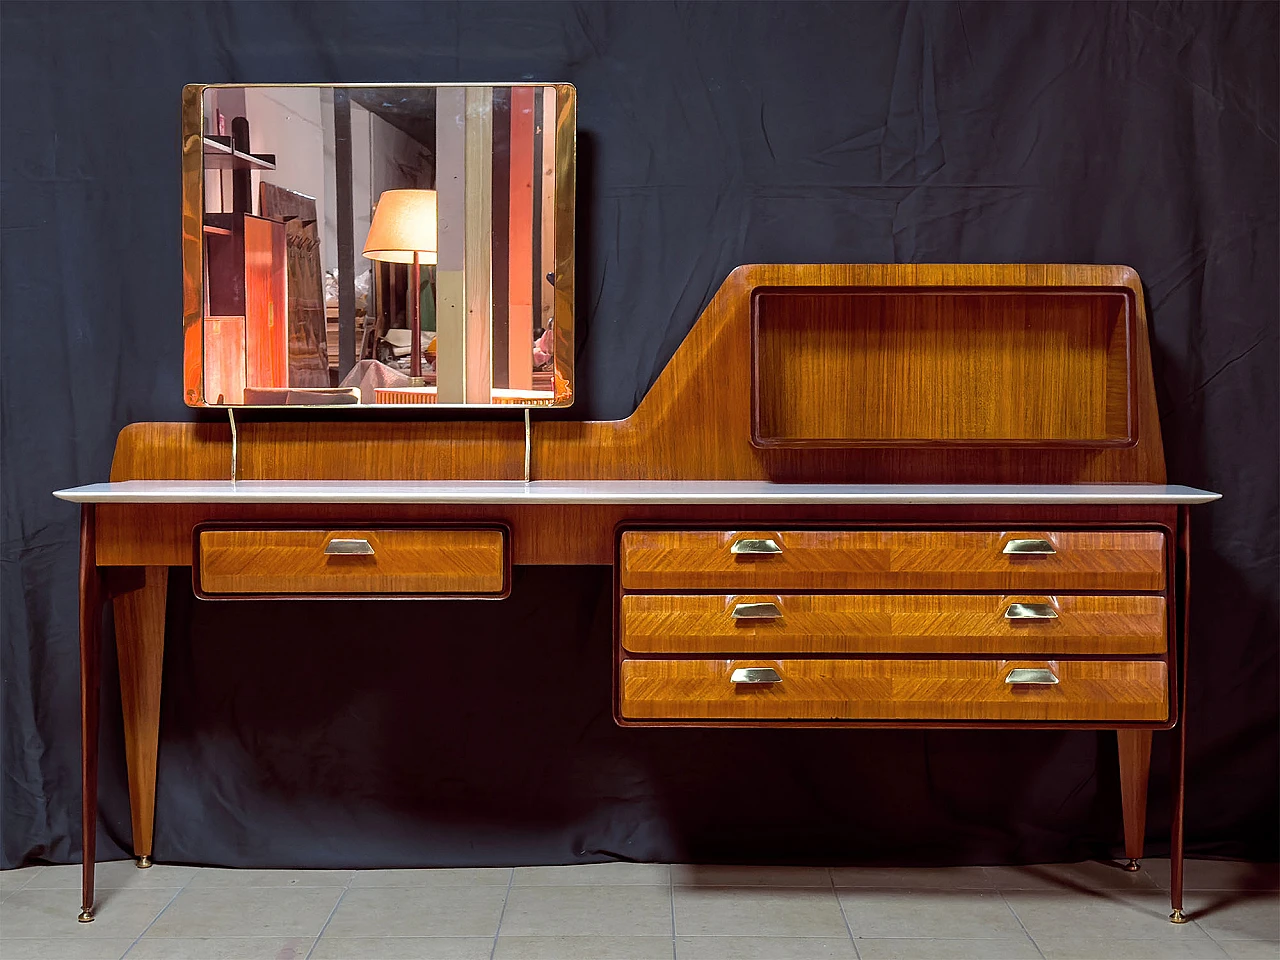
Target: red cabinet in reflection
{"x": 245, "y": 326}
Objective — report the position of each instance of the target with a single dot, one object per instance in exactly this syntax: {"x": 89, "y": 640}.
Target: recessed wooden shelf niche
{"x": 943, "y": 366}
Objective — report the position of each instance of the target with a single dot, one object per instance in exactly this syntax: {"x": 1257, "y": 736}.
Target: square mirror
{"x": 371, "y": 245}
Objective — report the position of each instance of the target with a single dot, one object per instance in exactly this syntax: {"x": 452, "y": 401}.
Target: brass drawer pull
{"x": 756, "y": 611}
{"x": 758, "y": 675}
{"x": 1042, "y": 547}
{"x": 1040, "y": 677}
{"x": 348, "y": 548}
{"x": 1030, "y": 611}
{"x": 755, "y": 546}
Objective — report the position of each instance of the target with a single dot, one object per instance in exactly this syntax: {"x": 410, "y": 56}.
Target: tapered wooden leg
{"x": 90, "y": 665}
{"x": 139, "y": 616}
{"x": 1135, "y": 768}
{"x": 1179, "y": 777}
{"x": 1178, "y": 766}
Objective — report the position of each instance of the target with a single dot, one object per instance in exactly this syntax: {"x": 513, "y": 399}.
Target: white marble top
{"x": 622, "y": 491}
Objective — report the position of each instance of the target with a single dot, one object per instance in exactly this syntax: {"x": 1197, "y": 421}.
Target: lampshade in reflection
{"x": 403, "y": 223}
{"x": 404, "y": 231}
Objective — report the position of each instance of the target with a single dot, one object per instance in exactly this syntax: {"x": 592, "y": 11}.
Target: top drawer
{"x": 935, "y": 560}
{"x": 377, "y": 561}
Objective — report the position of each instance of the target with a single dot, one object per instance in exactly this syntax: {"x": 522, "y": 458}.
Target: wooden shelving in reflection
{"x": 219, "y": 155}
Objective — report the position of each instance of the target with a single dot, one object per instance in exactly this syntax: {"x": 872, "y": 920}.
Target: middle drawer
{"x": 892, "y": 623}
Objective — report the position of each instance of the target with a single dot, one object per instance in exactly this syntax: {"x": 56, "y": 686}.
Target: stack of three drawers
{"x": 946, "y": 627}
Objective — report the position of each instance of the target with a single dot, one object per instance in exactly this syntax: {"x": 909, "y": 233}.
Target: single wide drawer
{"x": 943, "y": 690}
{"x": 382, "y": 561}
{"x": 741, "y": 560}
{"x": 1014, "y": 625}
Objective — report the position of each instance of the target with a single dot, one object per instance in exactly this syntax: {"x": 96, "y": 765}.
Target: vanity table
{"x": 857, "y": 496}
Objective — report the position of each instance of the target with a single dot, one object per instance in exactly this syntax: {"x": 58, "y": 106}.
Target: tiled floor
{"x": 627, "y": 911}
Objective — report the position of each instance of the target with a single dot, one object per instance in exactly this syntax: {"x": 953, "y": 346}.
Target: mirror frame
{"x": 566, "y": 140}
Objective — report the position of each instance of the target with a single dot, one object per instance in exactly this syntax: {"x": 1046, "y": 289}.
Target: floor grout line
{"x": 1069, "y": 897}
{"x": 1023, "y": 926}
{"x": 346, "y": 888}
{"x": 831, "y": 876}
{"x": 35, "y": 871}
{"x": 671, "y": 894}
{"x": 502, "y": 915}
{"x": 157, "y": 917}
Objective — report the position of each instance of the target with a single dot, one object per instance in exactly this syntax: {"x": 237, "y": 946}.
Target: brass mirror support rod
{"x": 231, "y": 415}
{"x": 528, "y": 446}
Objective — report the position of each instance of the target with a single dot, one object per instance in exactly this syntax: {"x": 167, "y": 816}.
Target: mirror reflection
{"x": 383, "y": 245}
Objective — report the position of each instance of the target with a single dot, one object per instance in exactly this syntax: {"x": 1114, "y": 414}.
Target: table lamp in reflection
{"x": 404, "y": 231}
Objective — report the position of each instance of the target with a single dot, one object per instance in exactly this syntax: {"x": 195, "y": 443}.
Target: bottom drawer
{"x": 948, "y": 690}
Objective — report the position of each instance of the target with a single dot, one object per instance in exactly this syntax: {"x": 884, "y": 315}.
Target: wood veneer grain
{"x": 992, "y": 366}
{"x": 899, "y": 690}
{"x": 938, "y": 560}
{"x": 132, "y": 534}
{"x": 694, "y": 423}
{"x": 139, "y": 619}
{"x": 1134, "y": 747}
{"x": 318, "y": 450}
{"x": 892, "y": 623}
{"x": 404, "y": 561}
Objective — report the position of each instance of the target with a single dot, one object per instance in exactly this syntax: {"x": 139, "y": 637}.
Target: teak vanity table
{"x": 857, "y": 496}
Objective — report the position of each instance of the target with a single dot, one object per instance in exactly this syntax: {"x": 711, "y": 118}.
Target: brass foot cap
{"x": 1133, "y": 865}
{"x": 143, "y": 862}
{"x": 1177, "y": 917}
{"x": 86, "y": 916}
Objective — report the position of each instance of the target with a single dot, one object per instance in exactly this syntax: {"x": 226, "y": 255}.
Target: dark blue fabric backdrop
{"x": 709, "y": 135}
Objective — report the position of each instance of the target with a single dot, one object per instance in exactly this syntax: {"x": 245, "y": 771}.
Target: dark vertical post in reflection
{"x": 538, "y": 212}
{"x": 346, "y": 230}
{"x": 501, "y": 235}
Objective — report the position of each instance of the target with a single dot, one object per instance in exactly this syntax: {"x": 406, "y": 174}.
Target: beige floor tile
{"x": 221, "y": 948}
{"x": 692, "y": 874}
{"x": 408, "y": 912}
{"x": 957, "y": 915}
{"x": 765, "y": 948}
{"x": 1217, "y": 874}
{"x": 1251, "y": 949}
{"x": 444, "y": 877}
{"x": 584, "y": 948}
{"x": 112, "y": 875}
{"x": 1092, "y": 948}
{"x": 402, "y": 948}
{"x": 908, "y": 948}
{"x": 52, "y": 914}
{"x": 109, "y": 948}
{"x": 592, "y": 873}
{"x": 11, "y": 880}
{"x": 214, "y": 877}
{"x": 606, "y": 910}
{"x": 1119, "y": 915}
{"x": 913, "y": 878}
{"x": 758, "y": 912}
{"x": 247, "y": 912}
{"x": 1089, "y": 876}
{"x": 1228, "y": 915}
